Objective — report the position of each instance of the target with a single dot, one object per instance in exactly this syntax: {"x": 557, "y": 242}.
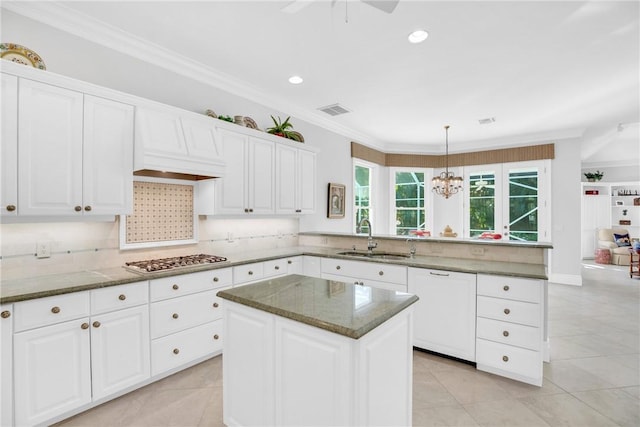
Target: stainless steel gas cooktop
{"x": 155, "y": 265}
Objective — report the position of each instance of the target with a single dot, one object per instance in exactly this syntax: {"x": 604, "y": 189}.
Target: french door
{"x": 509, "y": 198}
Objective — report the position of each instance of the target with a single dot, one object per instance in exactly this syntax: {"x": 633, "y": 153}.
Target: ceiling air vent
{"x": 487, "y": 121}
{"x": 334, "y": 110}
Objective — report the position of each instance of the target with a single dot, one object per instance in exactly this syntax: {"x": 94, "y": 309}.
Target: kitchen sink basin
{"x": 375, "y": 255}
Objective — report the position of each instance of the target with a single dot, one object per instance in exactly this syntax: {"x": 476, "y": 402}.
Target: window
{"x": 508, "y": 199}
{"x": 362, "y": 194}
{"x": 409, "y": 201}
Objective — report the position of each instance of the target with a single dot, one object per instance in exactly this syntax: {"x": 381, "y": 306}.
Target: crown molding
{"x": 84, "y": 26}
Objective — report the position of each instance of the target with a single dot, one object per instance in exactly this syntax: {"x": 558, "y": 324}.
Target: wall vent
{"x": 334, "y": 110}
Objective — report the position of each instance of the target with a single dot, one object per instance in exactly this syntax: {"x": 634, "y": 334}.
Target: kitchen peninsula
{"x": 301, "y": 350}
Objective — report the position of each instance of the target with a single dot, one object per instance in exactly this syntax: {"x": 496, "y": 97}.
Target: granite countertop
{"x": 338, "y": 307}
{"x": 43, "y": 286}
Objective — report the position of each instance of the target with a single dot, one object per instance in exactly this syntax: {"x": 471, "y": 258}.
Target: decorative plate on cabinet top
{"x": 21, "y": 55}
{"x": 211, "y": 113}
{"x": 250, "y": 123}
{"x": 296, "y": 136}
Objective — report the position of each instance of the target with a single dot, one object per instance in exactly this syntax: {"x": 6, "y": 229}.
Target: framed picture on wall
{"x": 335, "y": 204}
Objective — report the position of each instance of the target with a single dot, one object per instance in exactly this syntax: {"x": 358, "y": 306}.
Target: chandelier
{"x": 446, "y": 184}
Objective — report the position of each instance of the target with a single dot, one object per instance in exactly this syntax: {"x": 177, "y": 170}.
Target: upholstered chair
{"x": 619, "y": 254}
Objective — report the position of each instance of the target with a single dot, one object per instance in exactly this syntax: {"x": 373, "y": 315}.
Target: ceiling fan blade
{"x": 384, "y": 5}
{"x": 296, "y": 5}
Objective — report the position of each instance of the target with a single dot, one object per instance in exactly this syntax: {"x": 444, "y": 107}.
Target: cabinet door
{"x": 231, "y": 190}
{"x": 445, "y": 316}
{"x": 306, "y": 182}
{"x": 49, "y": 150}
{"x": 160, "y": 133}
{"x": 107, "y": 157}
{"x": 261, "y": 176}
{"x": 9, "y": 165}
{"x": 52, "y": 371}
{"x": 6, "y": 365}
{"x": 119, "y": 350}
{"x": 286, "y": 182}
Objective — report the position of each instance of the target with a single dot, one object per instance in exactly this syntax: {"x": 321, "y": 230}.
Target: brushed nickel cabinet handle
{"x": 277, "y": 267}
{"x": 246, "y": 210}
{"x": 96, "y": 324}
{"x": 505, "y": 358}
{"x": 87, "y": 208}
{"x": 175, "y": 315}
{"x": 505, "y": 287}
{"x": 216, "y": 305}
{"x": 337, "y": 267}
{"x": 55, "y": 310}
{"x": 11, "y": 208}
{"x": 5, "y": 314}
{"x": 215, "y": 279}
{"x": 507, "y": 311}
{"x": 505, "y": 333}
{"x": 78, "y": 208}
{"x": 175, "y": 287}
{"x": 215, "y": 337}
{"x": 122, "y": 297}
{"x": 250, "y": 210}
{"x": 381, "y": 273}
{"x": 250, "y": 273}
{"x": 176, "y": 351}
{"x": 84, "y": 326}
{"x": 439, "y": 274}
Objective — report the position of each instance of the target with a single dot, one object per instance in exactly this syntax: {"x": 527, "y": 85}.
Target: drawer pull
{"x": 381, "y": 273}
{"x": 175, "y": 315}
{"x": 87, "y": 208}
{"x": 337, "y": 267}
{"x": 55, "y": 310}
{"x": 122, "y": 297}
{"x": 277, "y": 267}
{"x": 216, "y": 305}
{"x": 505, "y": 358}
{"x": 289, "y": 262}
{"x": 84, "y": 326}
{"x": 439, "y": 274}
{"x": 507, "y": 311}
{"x": 215, "y": 337}
{"x": 505, "y": 333}
{"x": 11, "y": 208}
{"x": 5, "y": 314}
{"x": 505, "y": 287}
{"x": 96, "y": 324}
{"x": 250, "y": 273}
{"x": 176, "y": 351}
{"x": 215, "y": 279}
{"x": 78, "y": 208}
{"x": 175, "y": 287}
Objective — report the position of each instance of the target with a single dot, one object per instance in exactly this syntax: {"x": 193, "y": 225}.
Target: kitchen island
{"x": 308, "y": 351}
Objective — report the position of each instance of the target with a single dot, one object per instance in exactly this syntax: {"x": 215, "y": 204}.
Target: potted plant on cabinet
{"x": 284, "y": 129}
{"x": 594, "y": 176}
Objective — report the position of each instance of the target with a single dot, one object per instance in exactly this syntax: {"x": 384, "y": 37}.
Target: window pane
{"x": 523, "y": 205}
{"x": 481, "y": 203}
{"x": 409, "y": 202}
{"x": 362, "y": 195}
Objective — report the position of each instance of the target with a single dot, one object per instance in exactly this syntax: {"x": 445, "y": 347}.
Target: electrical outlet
{"x": 477, "y": 251}
{"x": 43, "y": 249}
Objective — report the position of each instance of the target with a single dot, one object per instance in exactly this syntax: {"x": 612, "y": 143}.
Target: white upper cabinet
{"x": 49, "y": 150}
{"x": 173, "y": 140}
{"x": 74, "y": 152}
{"x": 295, "y": 180}
{"x": 261, "y": 176}
{"x": 9, "y": 158}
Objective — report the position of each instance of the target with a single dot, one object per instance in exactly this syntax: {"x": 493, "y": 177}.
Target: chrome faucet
{"x": 371, "y": 245}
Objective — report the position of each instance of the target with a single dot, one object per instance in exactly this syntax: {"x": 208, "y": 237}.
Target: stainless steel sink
{"x": 375, "y": 255}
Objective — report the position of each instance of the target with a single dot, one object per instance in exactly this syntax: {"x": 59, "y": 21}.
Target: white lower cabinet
{"x": 386, "y": 276}
{"x": 510, "y": 327}
{"x": 445, "y": 314}
{"x": 6, "y": 365}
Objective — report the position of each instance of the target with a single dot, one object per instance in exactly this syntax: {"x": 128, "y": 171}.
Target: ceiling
{"x": 543, "y": 70}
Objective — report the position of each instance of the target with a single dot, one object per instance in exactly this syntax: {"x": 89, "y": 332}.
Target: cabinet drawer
{"x": 184, "y": 284}
{"x": 510, "y": 333}
{"x": 177, "y": 314}
{"x": 174, "y": 350}
{"x": 515, "y": 360}
{"x": 248, "y": 273}
{"x": 525, "y": 313}
{"x": 50, "y": 310}
{"x": 366, "y": 282}
{"x": 119, "y": 297}
{"x": 365, "y": 270}
{"x": 276, "y": 267}
{"x": 514, "y": 288}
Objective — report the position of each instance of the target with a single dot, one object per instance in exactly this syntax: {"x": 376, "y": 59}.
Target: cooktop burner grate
{"x": 154, "y": 265}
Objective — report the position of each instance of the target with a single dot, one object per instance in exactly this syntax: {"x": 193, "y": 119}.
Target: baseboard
{"x": 566, "y": 279}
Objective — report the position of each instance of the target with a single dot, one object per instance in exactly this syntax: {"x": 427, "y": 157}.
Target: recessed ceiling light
{"x": 418, "y": 36}
{"x": 295, "y": 80}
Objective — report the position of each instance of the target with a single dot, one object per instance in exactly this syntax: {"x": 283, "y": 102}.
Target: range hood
{"x": 172, "y": 143}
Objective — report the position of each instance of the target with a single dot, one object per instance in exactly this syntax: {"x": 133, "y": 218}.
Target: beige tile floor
{"x": 592, "y": 380}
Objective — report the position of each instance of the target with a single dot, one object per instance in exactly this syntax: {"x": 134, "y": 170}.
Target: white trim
{"x": 566, "y": 279}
